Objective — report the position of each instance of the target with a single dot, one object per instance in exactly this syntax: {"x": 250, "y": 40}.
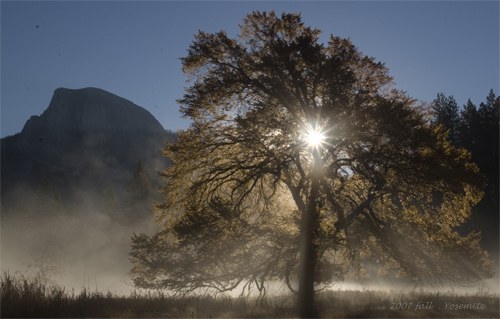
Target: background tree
{"x": 46, "y": 220}
{"x": 446, "y": 113}
{"x": 478, "y": 132}
{"x": 250, "y": 198}
{"x": 487, "y": 156}
{"x": 110, "y": 204}
{"x": 138, "y": 199}
{"x": 469, "y": 127}
{"x": 47, "y": 201}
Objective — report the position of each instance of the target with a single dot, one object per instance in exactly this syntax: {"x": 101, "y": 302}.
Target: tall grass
{"x": 28, "y": 298}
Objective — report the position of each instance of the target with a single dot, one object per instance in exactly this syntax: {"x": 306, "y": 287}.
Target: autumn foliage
{"x": 248, "y": 200}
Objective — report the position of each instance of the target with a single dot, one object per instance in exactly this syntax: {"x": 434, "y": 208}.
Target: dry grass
{"x": 28, "y": 298}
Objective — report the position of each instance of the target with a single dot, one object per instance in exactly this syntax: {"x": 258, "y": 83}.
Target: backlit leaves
{"x": 391, "y": 187}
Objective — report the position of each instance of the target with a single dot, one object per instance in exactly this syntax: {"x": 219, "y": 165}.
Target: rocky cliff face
{"x": 89, "y": 124}
{"x": 87, "y": 138}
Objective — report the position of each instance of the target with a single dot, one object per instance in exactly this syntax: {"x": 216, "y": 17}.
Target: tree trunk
{"x": 309, "y": 249}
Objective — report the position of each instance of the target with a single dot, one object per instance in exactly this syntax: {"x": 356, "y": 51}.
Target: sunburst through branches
{"x": 314, "y": 137}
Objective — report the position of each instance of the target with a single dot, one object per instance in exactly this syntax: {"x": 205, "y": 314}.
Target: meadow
{"x": 23, "y": 297}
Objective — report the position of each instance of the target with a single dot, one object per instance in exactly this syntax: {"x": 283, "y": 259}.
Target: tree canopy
{"x": 248, "y": 200}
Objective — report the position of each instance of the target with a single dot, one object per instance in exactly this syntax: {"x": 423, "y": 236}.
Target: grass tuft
{"x": 23, "y": 297}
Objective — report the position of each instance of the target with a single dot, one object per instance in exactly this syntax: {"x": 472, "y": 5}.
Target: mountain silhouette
{"x": 85, "y": 140}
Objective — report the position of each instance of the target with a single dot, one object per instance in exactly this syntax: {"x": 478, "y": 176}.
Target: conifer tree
{"x": 138, "y": 199}
{"x": 446, "y": 113}
{"x": 479, "y": 131}
{"x": 47, "y": 213}
{"x": 488, "y": 140}
{"x": 479, "y": 134}
{"x": 110, "y": 203}
{"x": 47, "y": 200}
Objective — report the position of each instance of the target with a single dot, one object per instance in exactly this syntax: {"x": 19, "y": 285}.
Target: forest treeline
{"x": 476, "y": 128}
{"x": 47, "y": 203}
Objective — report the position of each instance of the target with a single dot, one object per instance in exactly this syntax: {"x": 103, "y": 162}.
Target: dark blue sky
{"x": 132, "y": 49}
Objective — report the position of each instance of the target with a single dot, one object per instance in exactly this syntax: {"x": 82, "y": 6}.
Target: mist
{"x": 87, "y": 248}
{"x": 83, "y": 248}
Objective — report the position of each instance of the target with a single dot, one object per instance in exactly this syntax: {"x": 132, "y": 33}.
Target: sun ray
{"x": 315, "y": 138}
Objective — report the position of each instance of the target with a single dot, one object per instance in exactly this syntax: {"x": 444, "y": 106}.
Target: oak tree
{"x": 251, "y": 198}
